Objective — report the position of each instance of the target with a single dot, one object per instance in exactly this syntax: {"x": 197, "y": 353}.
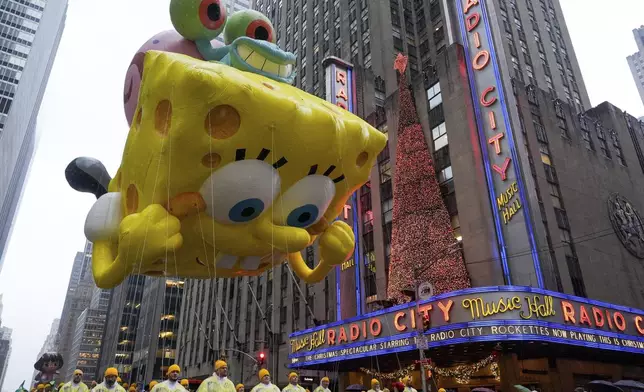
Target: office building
{"x": 100, "y": 299}
{"x": 636, "y": 61}
{"x": 79, "y": 296}
{"x": 85, "y": 348}
{"x": 5, "y": 353}
{"x": 122, "y": 323}
{"x": 31, "y": 31}
{"x": 156, "y": 336}
{"x": 50, "y": 345}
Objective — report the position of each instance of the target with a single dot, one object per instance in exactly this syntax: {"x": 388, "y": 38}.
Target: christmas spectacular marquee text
{"x": 505, "y": 307}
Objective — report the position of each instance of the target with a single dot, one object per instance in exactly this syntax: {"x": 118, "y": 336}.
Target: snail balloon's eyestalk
{"x": 88, "y": 175}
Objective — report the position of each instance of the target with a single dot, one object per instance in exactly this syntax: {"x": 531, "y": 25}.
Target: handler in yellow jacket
{"x": 265, "y": 384}
{"x": 375, "y": 386}
{"x": 219, "y": 381}
{"x": 109, "y": 384}
{"x": 408, "y": 384}
{"x": 76, "y": 384}
{"x": 293, "y": 385}
{"x": 324, "y": 385}
{"x": 172, "y": 384}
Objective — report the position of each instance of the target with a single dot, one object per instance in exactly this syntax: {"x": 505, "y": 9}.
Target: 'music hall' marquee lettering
{"x": 471, "y": 313}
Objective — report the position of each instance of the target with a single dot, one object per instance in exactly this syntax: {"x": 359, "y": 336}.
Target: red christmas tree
{"x": 423, "y": 247}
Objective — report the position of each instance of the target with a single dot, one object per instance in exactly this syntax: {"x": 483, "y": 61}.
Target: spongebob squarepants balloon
{"x": 227, "y": 169}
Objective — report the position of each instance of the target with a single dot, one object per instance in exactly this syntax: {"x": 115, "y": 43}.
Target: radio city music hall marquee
{"x": 502, "y": 171}
{"x": 507, "y": 312}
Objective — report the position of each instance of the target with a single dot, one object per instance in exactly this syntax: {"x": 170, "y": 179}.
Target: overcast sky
{"x": 82, "y": 115}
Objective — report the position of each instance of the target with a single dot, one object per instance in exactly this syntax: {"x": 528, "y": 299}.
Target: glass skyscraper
{"x": 30, "y": 32}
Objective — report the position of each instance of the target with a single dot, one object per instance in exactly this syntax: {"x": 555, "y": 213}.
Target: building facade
{"x": 542, "y": 193}
{"x": 31, "y": 31}
{"x": 5, "y": 352}
{"x": 50, "y": 345}
{"x": 78, "y": 298}
{"x": 158, "y": 327}
{"x": 636, "y": 61}
{"x": 85, "y": 348}
{"x": 122, "y": 322}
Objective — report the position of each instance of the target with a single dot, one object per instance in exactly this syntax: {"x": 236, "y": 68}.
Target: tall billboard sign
{"x": 501, "y": 164}
{"x": 340, "y": 90}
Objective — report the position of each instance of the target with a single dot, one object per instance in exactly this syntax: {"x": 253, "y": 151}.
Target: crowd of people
{"x": 218, "y": 382}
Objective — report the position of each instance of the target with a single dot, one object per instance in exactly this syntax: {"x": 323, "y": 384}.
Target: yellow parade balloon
{"x": 227, "y": 173}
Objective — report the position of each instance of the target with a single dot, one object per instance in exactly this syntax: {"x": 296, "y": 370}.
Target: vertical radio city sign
{"x": 502, "y": 170}
{"x": 340, "y": 90}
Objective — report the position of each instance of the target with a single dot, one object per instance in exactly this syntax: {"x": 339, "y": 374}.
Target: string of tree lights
{"x": 421, "y": 225}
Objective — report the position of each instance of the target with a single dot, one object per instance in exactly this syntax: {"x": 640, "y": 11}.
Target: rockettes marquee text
{"x": 507, "y": 311}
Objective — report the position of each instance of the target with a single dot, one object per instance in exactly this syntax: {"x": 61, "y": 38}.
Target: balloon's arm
{"x": 336, "y": 245}
{"x": 304, "y": 272}
{"x": 107, "y": 270}
{"x": 208, "y": 52}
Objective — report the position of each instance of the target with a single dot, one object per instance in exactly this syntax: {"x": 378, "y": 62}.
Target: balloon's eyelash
{"x": 280, "y": 162}
{"x": 240, "y": 154}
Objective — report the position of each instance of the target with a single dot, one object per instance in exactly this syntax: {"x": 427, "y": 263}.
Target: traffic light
{"x": 427, "y": 323}
{"x": 261, "y": 359}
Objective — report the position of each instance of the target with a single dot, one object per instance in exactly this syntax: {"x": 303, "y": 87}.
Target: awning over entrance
{"x": 479, "y": 315}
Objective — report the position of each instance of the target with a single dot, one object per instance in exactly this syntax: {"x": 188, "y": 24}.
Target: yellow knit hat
{"x": 325, "y": 378}
{"x": 292, "y": 374}
{"x": 174, "y": 368}
{"x": 125, "y": 385}
{"x": 118, "y": 379}
{"x": 185, "y": 382}
{"x": 239, "y": 386}
{"x": 263, "y": 373}
{"x": 152, "y": 384}
{"x": 78, "y": 371}
{"x": 406, "y": 379}
{"x": 219, "y": 364}
{"x": 41, "y": 386}
{"x": 111, "y": 372}
{"x": 132, "y": 389}
{"x": 441, "y": 390}
{"x": 374, "y": 382}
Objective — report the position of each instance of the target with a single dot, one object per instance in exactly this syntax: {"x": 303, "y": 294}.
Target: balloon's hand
{"x": 148, "y": 236}
{"x": 336, "y": 243}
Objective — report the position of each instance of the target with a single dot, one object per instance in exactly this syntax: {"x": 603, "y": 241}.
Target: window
{"x": 585, "y": 133}
{"x": 562, "y": 219}
{"x": 456, "y": 228}
{"x": 434, "y": 96}
{"x": 602, "y": 141}
{"x": 387, "y": 210}
{"x": 385, "y": 171}
{"x": 439, "y": 135}
{"x": 575, "y": 276}
{"x": 618, "y": 147}
{"x": 445, "y": 174}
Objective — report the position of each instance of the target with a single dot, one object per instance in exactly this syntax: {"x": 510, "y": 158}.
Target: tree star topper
{"x": 400, "y": 64}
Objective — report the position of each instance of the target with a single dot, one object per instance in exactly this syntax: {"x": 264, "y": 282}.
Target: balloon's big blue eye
{"x": 303, "y": 216}
{"x": 246, "y": 210}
